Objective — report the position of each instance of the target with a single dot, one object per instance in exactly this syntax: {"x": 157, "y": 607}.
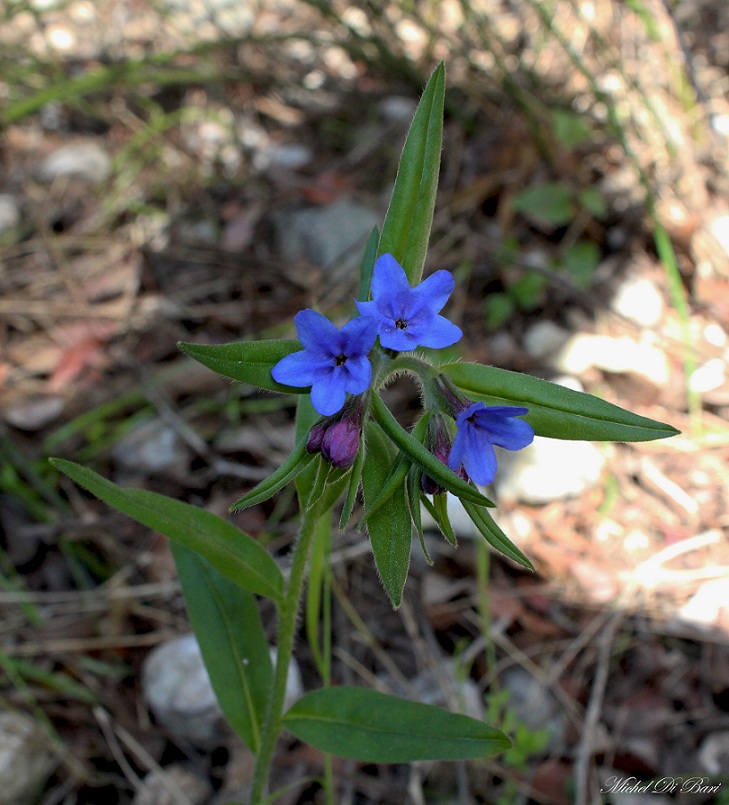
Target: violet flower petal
{"x": 408, "y": 317}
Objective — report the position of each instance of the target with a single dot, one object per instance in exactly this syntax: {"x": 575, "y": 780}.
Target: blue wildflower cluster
{"x": 339, "y": 362}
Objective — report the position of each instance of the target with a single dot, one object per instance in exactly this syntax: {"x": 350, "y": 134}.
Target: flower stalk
{"x": 288, "y": 616}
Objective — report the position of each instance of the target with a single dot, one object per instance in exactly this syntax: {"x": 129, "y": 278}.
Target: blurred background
{"x": 201, "y": 170}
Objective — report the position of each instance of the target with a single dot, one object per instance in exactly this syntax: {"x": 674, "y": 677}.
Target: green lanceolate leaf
{"x": 236, "y": 555}
{"x": 399, "y": 471}
{"x": 333, "y": 490}
{"x": 374, "y": 727}
{"x": 420, "y": 454}
{"x": 495, "y": 536}
{"x": 555, "y": 411}
{"x": 367, "y": 265}
{"x": 325, "y": 474}
{"x": 406, "y": 230}
{"x": 247, "y": 361}
{"x": 228, "y": 628}
{"x": 390, "y": 529}
{"x": 438, "y": 510}
{"x": 412, "y": 485}
{"x": 355, "y": 479}
{"x": 394, "y": 483}
{"x": 297, "y": 462}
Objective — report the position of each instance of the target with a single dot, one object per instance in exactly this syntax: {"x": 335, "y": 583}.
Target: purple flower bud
{"x": 316, "y": 436}
{"x": 439, "y": 444}
{"x": 429, "y": 486}
{"x": 452, "y": 401}
{"x": 341, "y": 443}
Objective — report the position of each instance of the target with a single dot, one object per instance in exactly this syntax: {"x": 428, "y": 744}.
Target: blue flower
{"x": 333, "y": 362}
{"x": 479, "y": 429}
{"x": 408, "y": 317}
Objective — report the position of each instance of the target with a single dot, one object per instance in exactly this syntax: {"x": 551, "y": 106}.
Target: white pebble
{"x": 84, "y": 160}
{"x": 619, "y": 355}
{"x": 26, "y": 760}
{"x": 639, "y": 300}
{"x": 708, "y": 377}
{"x": 544, "y": 338}
{"x": 9, "y": 212}
{"x": 178, "y": 691}
{"x": 549, "y": 469}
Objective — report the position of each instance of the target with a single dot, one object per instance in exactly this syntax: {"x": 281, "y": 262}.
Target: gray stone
{"x": 9, "y": 213}
{"x": 714, "y": 753}
{"x": 289, "y": 156}
{"x": 720, "y": 124}
{"x": 177, "y": 689}
{"x": 26, "y": 759}
{"x": 544, "y": 339}
{"x": 442, "y": 687}
{"x": 332, "y": 236}
{"x": 445, "y": 688}
{"x": 534, "y": 705}
{"x": 34, "y": 412}
{"x": 719, "y": 228}
{"x": 549, "y": 469}
{"x": 152, "y": 447}
{"x": 82, "y": 160}
{"x": 173, "y": 785}
{"x": 639, "y": 300}
{"x": 708, "y": 377}
{"x": 397, "y": 109}
{"x": 619, "y": 355}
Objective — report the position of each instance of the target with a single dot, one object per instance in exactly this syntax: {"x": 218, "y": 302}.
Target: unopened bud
{"x": 316, "y": 436}
{"x": 341, "y": 443}
{"x": 429, "y": 486}
{"x": 439, "y": 444}
{"x": 452, "y": 401}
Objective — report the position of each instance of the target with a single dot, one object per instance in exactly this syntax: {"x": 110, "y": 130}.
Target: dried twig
{"x": 594, "y": 708}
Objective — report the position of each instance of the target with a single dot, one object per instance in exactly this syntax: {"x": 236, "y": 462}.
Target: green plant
{"x": 347, "y": 440}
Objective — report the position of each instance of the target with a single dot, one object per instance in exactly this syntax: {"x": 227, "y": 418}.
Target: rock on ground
{"x": 9, "y": 213}
{"x": 26, "y": 760}
{"x": 547, "y": 470}
{"x": 85, "y": 159}
{"x": 332, "y": 236}
{"x": 172, "y": 786}
{"x": 178, "y": 691}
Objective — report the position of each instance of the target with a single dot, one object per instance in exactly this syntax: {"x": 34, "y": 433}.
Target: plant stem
{"x": 287, "y": 632}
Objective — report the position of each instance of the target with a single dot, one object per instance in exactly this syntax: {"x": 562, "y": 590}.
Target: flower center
{"x": 401, "y": 324}
{"x": 340, "y": 359}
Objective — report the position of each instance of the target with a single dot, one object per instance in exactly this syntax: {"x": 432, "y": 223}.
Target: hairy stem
{"x": 287, "y": 632}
